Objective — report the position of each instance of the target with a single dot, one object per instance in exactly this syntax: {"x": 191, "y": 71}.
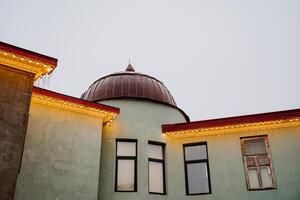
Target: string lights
{"x": 264, "y": 125}
{"x": 26, "y": 64}
{"x": 61, "y": 104}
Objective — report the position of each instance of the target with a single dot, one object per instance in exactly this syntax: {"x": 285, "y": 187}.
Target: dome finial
{"x": 130, "y": 68}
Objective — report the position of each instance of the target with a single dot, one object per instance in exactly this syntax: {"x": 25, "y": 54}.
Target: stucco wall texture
{"x": 61, "y": 156}
{"x": 138, "y": 119}
{"x": 142, "y": 120}
{"x": 226, "y": 166}
{"x": 15, "y": 94}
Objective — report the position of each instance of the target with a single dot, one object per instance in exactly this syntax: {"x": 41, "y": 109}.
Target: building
{"x": 125, "y": 138}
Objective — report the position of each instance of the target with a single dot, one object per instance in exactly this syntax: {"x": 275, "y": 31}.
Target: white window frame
{"x": 252, "y": 162}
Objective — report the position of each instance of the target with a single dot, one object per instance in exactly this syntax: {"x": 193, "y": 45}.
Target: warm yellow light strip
{"x": 237, "y": 128}
{"x": 78, "y": 108}
{"x": 25, "y": 64}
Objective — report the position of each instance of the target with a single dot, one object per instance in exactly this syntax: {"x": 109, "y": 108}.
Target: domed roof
{"x": 128, "y": 84}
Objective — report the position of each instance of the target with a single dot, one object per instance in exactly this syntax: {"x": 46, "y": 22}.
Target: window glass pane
{"x": 155, "y": 151}
{"x": 197, "y": 178}
{"x": 263, "y": 160}
{"x": 251, "y": 161}
{"x": 266, "y": 176}
{"x": 253, "y": 178}
{"x": 126, "y": 148}
{"x": 255, "y": 146}
{"x": 125, "y": 175}
{"x": 195, "y": 152}
{"x": 156, "y": 177}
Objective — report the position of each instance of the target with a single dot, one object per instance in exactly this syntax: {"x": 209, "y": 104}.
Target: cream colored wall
{"x": 61, "y": 156}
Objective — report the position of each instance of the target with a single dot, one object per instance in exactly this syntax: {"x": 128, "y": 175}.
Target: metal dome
{"x": 128, "y": 84}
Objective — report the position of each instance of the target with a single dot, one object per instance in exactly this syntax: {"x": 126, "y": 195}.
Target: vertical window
{"x": 156, "y": 164}
{"x": 126, "y": 164}
{"x": 196, "y": 169}
{"x": 257, "y": 163}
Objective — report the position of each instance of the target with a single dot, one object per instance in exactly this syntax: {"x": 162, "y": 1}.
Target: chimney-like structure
{"x": 19, "y": 68}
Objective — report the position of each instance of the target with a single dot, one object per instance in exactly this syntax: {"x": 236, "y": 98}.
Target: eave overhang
{"x": 65, "y": 102}
{"x": 26, "y": 60}
{"x": 255, "y": 122}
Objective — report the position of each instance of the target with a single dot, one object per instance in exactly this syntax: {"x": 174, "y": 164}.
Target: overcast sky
{"x": 217, "y": 58}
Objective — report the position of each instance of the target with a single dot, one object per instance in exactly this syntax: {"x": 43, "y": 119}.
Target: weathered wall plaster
{"x": 15, "y": 94}
{"x": 61, "y": 156}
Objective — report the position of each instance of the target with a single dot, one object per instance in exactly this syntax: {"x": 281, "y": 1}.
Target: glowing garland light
{"x": 61, "y": 104}
{"x": 19, "y": 62}
{"x": 230, "y": 129}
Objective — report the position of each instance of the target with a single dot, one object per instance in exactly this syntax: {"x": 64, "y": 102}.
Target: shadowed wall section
{"x": 15, "y": 87}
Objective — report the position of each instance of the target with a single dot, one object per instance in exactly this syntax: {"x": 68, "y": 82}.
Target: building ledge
{"x": 65, "y": 102}
{"x": 26, "y": 60}
{"x": 263, "y": 121}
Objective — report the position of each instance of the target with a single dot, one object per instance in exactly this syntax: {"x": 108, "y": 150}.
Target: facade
{"x": 125, "y": 138}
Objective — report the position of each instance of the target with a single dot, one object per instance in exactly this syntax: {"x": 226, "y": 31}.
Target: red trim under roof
{"x": 67, "y": 98}
{"x": 271, "y": 116}
{"x": 29, "y": 54}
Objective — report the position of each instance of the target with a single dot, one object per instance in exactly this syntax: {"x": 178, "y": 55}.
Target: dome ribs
{"x": 98, "y": 92}
{"x": 103, "y": 90}
{"x": 118, "y": 86}
{"x": 163, "y": 92}
{"x": 109, "y": 87}
{"x": 129, "y": 84}
{"x": 126, "y": 86}
{"x": 132, "y": 88}
{"x": 94, "y": 88}
{"x": 145, "y": 87}
{"x": 158, "y": 90}
{"x": 139, "y": 86}
{"x": 151, "y": 89}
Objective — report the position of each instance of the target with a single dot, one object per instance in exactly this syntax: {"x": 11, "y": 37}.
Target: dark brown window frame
{"x": 196, "y": 161}
{"x": 162, "y": 161}
{"x": 126, "y": 158}
{"x": 257, "y": 165}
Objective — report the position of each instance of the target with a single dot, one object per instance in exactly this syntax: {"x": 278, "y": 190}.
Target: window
{"x": 156, "y": 164}
{"x": 196, "y": 166}
{"x": 257, "y": 163}
{"x": 126, "y": 164}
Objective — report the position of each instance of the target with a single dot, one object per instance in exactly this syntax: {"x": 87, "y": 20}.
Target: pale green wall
{"x": 142, "y": 120}
{"x": 61, "y": 156}
{"x": 226, "y": 166}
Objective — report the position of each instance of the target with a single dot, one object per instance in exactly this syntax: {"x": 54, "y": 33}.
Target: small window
{"x": 126, "y": 161}
{"x": 257, "y": 163}
{"x": 196, "y": 169}
{"x": 156, "y": 165}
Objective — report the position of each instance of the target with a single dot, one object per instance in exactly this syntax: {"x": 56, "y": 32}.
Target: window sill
{"x": 198, "y": 194}
{"x": 261, "y": 189}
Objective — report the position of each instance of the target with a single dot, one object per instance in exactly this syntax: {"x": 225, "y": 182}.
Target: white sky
{"x": 218, "y": 58}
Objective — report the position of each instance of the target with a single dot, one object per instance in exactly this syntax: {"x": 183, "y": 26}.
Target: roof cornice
{"x": 65, "y": 102}
{"x": 26, "y": 60}
{"x": 271, "y": 120}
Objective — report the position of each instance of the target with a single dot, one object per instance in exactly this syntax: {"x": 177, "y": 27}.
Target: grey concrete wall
{"x": 15, "y": 94}
{"x": 61, "y": 156}
{"x": 142, "y": 120}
